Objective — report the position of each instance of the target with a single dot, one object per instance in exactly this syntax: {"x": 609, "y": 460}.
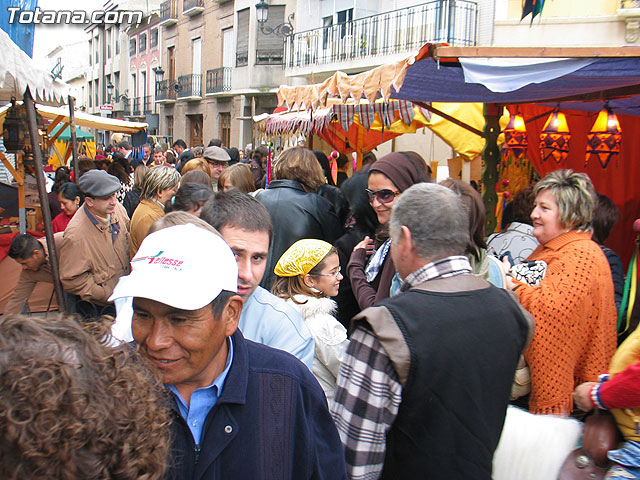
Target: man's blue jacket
{"x": 271, "y": 422}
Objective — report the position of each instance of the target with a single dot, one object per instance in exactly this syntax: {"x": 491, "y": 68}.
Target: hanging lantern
{"x": 603, "y": 141}
{"x": 14, "y": 128}
{"x": 555, "y": 137}
{"x": 515, "y": 138}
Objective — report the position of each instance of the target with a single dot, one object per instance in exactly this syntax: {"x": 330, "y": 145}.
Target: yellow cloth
{"x": 627, "y": 354}
{"x": 301, "y": 257}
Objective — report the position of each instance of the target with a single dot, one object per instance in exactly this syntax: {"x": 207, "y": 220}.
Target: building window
{"x": 143, "y": 42}
{"x": 327, "y": 23}
{"x": 270, "y": 48}
{"x": 225, "y": 128}
{"x": 90, "y": 102}
{"x": 90, "y": 52}
{"x": 242, "y": 42}
{"x": 109, "y": 43}
{"x": 132, "y": 47}
{"x": 153, "y": 38}
{"x": 169, "y": 119}
{"x": 345, "y": 17}
{"x": 116, "y": 38}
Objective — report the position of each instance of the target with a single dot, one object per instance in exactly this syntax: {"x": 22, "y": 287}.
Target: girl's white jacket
{"x": 329, "y": 335}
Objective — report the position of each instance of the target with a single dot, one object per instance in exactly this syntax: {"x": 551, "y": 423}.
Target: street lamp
{"x": 110, "y": 89}
{"x": 161, "y": 88}
{"x": 284, "y": 29}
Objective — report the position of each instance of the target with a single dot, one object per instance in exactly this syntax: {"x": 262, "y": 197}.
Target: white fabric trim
{"x": 509, "y": 74}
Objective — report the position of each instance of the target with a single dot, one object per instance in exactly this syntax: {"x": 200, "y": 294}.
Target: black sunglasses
{"x": 383, "y": 196}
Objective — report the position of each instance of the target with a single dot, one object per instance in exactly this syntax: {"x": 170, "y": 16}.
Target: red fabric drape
{"x": 620, "y": 180}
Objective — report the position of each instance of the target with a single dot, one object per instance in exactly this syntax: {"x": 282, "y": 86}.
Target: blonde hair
{"x": 301, "y": 165}
{"x": 239, "y": 175}
{"x": 196, "y": 164}
{"x": 156, "y": 179}
{"x": 575, "y": 196}
{"x": 138, "y": 176}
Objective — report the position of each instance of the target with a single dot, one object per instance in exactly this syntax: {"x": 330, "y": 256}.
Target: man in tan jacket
{"x": 31, "y": 253}
{"x": 95, "y": 249}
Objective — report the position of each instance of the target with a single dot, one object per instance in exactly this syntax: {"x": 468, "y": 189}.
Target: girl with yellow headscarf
{"x": 307, "y": 275}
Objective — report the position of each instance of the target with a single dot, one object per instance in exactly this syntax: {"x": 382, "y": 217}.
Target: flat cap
{"x": 98, "y": 183}
{"x": 216, "y": 153}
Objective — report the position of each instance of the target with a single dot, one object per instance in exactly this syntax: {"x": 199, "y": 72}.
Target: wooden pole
{"x": 490, "y": 155}
{"x": 74, "y": 142}
{"x": 44, "y": 199}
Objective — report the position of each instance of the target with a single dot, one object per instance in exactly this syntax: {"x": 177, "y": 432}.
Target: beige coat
{"x": 90, "y": 262}
{"x": 29, "y": 279}
{"x": 143, "y": 216}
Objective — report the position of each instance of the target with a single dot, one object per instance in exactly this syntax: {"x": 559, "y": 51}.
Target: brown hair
{"x": 475, "y": 209}
{"x": 239, "y": 175}
{"x": 73, "y": 407}
{"x": 287, "y": 287}
{"x": 301, "y": 165}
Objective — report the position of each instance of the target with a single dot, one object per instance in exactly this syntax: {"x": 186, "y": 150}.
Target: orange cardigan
{"x": 575, "y": 314}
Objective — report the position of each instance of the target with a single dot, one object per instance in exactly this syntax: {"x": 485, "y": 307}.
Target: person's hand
{"x": 367, "y": 244}
{"x": 582, "y": 396}
{"x": 506, "y": 265}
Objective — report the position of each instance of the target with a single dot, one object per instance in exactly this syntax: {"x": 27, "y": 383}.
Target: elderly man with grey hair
{"x": 425, "y": 383}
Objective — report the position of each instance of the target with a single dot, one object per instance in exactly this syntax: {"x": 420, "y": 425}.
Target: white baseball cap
{"x": 183, "y": 266}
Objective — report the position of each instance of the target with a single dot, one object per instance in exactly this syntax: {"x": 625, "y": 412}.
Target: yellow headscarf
{"x": 301, "y": 257}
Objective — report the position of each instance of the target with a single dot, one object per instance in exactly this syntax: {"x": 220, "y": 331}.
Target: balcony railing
{"x": 166, "y": 91}
{"x": 219, "y": 80}
{"x": 147, "y": 104}
{"x": 137, "y": 107}
{"x": 399, "y": 31}
{"x": 192, "y": 7}
{"x": 190, "y": 86}
{"x": 168, "y": 12}
{"x": 630, "y": 4}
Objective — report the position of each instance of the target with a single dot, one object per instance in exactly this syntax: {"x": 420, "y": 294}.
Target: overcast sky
{"x": 48, "y": 37}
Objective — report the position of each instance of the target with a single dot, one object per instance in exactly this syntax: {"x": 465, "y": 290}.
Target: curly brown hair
{"x": 72, "y": 407}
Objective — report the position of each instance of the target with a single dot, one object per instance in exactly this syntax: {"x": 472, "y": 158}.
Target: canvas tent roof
{"x": 83, "y": 119}
{"x": 428, "y": 80}
{"x": 19, "y": 72}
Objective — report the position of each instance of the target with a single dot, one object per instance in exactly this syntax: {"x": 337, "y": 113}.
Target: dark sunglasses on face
{"x": 383, "y": 196}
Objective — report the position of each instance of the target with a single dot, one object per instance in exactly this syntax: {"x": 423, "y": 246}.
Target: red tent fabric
{"x": 620, "y": 180}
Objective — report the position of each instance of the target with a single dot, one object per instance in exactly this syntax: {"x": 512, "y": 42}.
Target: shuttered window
{"x": 242, "y": 42}
{"x": 270, "y": 48}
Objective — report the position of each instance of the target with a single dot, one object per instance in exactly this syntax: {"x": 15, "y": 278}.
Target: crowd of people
{"x": 306, "y": 328}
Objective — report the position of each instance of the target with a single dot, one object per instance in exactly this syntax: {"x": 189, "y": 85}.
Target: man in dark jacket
{"x": 242, "y": 410}
{"x": 426, "y": 379}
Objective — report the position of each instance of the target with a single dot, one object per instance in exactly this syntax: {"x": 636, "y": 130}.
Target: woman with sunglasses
{"x": 370, "y": 269}
{"x": 307, "y": 274}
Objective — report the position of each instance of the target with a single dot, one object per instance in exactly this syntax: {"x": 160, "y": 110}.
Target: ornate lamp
{"x": 555, "y": 137}
{"x": 284, "y": 29}
{"x": 14, "y": 127}
{"x": 603, "y": 141}
{"x": 515, "y": 138}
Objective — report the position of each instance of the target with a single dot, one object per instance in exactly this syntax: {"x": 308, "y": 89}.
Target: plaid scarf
{"x": 375, "y": 263}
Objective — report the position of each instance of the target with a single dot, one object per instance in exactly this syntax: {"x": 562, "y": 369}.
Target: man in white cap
{"x": 242, "y": 409}
{"x": 218, "y": 159}
{"x": 94, "y": 252}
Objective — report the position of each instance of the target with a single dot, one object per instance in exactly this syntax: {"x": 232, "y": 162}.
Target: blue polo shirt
{"x": 203, "y": 399}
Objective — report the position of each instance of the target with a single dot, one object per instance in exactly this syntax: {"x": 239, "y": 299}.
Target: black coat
{"x": 295, "y": 214}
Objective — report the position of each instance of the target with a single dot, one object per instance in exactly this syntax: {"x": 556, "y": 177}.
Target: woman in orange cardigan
{"x": 573, "y": 305}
